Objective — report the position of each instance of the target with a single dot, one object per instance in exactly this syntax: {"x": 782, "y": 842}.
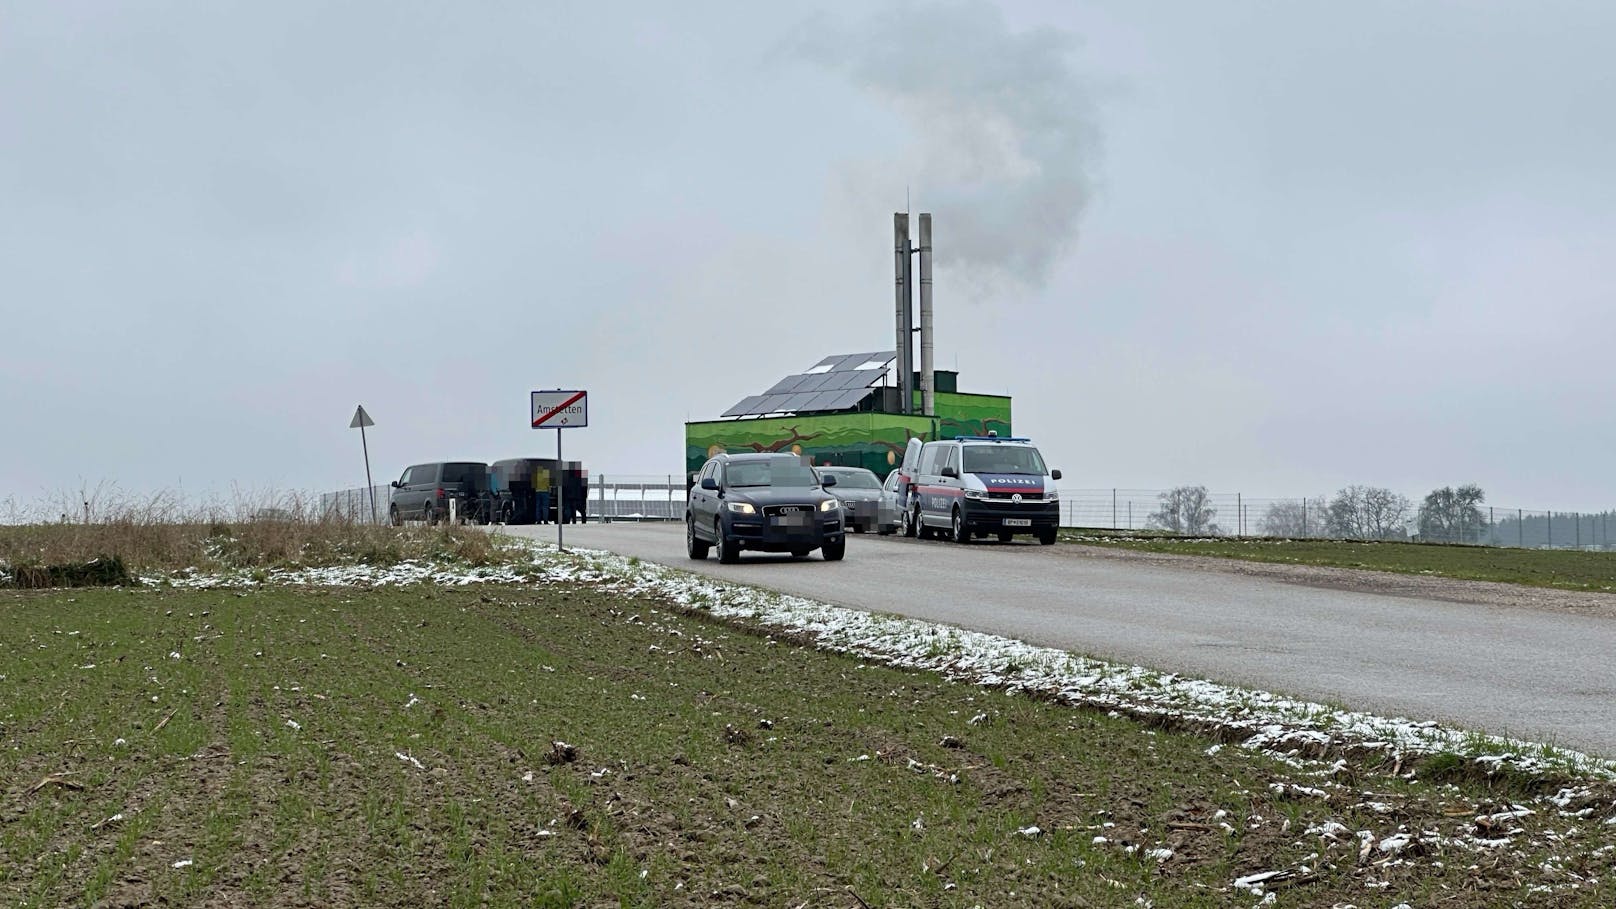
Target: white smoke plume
{"x": 1005, "y": 139}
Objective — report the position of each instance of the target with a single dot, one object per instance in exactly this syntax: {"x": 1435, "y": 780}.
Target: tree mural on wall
{"x": 790, "y": 442}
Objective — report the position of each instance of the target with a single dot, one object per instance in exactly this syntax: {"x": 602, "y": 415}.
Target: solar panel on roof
{"x": 797, "y": 402}
{"x": 744, "y": 407}
{"x": 848, "y": 374}
{"x": 823, "y": 400}
{"x": 788, "y": 384}
{"x": 847, "y": 399}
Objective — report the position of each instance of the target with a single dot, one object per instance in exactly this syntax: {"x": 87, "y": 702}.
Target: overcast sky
{"x": 1273, "y": 248}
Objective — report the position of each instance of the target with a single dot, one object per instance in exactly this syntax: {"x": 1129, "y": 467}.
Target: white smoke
{"x": 1005, "y": 140}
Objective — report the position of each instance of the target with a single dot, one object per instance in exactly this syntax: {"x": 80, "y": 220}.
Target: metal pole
{"x": 561, "y": 493}
{"x": 1113, "y": 508}
{"x": 1520, "y": 528}
{"x": 368, "y": 484}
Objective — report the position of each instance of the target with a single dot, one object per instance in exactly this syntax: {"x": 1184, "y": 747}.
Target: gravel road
{"x": 1538, "y": 665}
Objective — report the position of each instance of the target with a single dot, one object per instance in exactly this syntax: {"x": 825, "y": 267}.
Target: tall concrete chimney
{"x": 905, "y": 312}
{"x": 928, "y": 378}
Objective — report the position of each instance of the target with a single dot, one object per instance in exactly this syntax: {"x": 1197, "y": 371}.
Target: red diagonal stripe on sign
{"x": 559, "y": 408}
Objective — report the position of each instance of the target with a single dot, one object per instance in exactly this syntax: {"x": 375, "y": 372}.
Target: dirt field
{"x": 561, "y": 746}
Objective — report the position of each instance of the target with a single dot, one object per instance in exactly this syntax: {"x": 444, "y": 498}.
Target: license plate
{"x": 799, "y": 519}
{"x": 1018, "y": 522}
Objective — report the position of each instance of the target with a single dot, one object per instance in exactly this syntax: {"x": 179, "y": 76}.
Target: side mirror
{"x": 1054, "y": 474}
{"x": 827, "y": 480}
{"x": 710, "y": 484}
{"x": 396, "y": 485}
{"x": 950, "y": 472}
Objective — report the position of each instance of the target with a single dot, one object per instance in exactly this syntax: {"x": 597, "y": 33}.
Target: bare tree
{"x": 1386, "y": 514}
{"x": 1368, "y": 513}
{"x": 1452, "y": 515}
{"x": 1296, "y": 518}
{"x": 1186, "y": 510}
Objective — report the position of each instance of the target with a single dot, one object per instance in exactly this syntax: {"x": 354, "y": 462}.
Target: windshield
{"x": 782, "y": 473}
{"x": 854, "y": 479}
{"x": 1003, "y": 459}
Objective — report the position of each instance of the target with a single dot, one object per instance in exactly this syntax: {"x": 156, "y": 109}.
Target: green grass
{"x": 1564, "y": 569}
{"x": 714, "y": 766}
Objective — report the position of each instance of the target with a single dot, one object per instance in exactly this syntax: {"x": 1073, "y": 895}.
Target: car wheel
{"x": 728, "y": 552}
{"x": 1047, "y": 537}
{"x": 427, "y": 516}
{"x": 392, "y": 516}
{"x": 696, "y": 547}
{"x": 962, "y": 534}
{"x": 833, "y": 552}
{"x": 911, "y": 522}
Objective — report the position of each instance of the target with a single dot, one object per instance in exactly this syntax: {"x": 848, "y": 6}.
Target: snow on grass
{"x": 1258, "y": 720}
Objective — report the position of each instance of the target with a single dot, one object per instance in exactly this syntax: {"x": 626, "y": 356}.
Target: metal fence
{"x": 636, "y": 497}
{"x": 1239, "y": 515}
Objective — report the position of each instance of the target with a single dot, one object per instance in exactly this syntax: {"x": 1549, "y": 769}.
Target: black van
{"x": 514, "y": 494}
{"x": 424, "y": 492}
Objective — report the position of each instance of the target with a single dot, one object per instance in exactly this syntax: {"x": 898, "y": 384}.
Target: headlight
{"x": 975, "y": 494}
{"x": 1052, "y": 496}
{"x": 829, "y": 505}
{"x": 742, "y": 507}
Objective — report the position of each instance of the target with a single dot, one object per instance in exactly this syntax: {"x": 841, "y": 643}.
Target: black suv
{"x": 424, "y": 492}
{"x": 767, "y": 502}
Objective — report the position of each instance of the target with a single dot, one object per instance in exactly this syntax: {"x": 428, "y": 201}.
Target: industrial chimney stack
{"x": 928, "y": 378}
{"x": 905, "y": 311}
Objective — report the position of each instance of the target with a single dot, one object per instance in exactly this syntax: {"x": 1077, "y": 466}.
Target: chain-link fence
{"x": 636, "y": 497}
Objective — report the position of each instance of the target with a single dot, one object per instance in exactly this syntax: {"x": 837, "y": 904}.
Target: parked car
{"x": 974, "y": 486}
{"x": 891, "y": 514}
{"x": 859, "y": 490}
{"x": 766, "y": 502}
{"x": 424, "y": 493}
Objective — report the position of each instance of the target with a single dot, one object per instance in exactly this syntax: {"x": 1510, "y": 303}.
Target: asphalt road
{"x": 1541, "y": 675}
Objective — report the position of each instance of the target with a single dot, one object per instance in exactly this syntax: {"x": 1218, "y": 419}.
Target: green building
{"x": 844, "y": 411}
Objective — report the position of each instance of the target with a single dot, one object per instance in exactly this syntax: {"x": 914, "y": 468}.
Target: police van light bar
{"x": 991, "y": 439}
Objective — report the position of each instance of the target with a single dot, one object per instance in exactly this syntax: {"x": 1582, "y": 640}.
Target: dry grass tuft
{"x": 51, "y": 545}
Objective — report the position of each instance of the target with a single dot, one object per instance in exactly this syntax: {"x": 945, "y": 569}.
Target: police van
{"x": 969, "y": 487}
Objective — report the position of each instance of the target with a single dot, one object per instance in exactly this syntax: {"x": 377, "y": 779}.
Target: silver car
{"x": 860, "y": 492}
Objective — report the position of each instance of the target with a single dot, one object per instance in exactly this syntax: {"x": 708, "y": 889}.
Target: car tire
{"x": 1006, "y": 536}
{"x": 962, "y": 533}
{"x": 833, "y": 552}
{"x": 695, "y": 547}
{"x": 392, "y": 516}
{"x": 427, "y": 516}
{"x": 1047, "y": 537}
{"x": 911, "y": 522}
{"x": 728, "y": 552}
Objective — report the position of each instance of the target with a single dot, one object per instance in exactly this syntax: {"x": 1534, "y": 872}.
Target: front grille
{"x": 1030, "y": 498}
{"x": 775, "y": 511}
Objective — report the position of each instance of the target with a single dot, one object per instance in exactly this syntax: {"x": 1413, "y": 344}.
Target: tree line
{"x": 1447, "y": 515}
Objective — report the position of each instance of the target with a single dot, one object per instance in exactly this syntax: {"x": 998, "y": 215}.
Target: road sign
{"x": 359, "y": 422}
{"x": 560, "y": 409}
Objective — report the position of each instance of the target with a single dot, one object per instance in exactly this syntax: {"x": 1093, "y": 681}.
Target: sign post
{"x": 558, "y": 410}
{"x": 359, "y": 422}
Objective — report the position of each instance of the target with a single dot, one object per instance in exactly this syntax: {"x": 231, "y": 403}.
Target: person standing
{"x": 541, "y": 495}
